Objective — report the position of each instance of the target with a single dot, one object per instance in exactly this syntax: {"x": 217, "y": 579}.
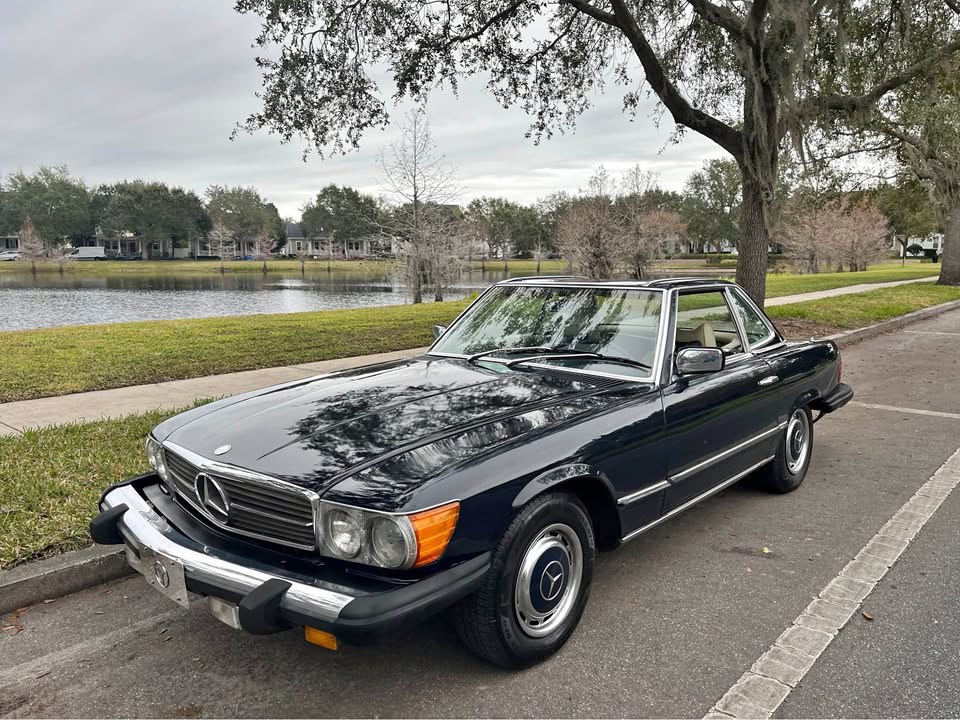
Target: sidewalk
{"x": 18, "y": 416}
{"x": 99, "y": 404}
{"x": 849, "y": 290}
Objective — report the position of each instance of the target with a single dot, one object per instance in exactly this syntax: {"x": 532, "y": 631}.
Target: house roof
{"x": 294, "y": 231}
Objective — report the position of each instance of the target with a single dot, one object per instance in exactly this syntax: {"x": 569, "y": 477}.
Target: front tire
{"x": 788, "y": 469}
{"x": 537, "y": 587}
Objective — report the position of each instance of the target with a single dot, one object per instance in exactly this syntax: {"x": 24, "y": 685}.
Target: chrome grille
{"x": 256, "y": 508}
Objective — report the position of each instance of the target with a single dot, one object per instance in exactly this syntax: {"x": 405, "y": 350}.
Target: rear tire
{"x": 534, "y": 594}
{"x": 794, "y": 450}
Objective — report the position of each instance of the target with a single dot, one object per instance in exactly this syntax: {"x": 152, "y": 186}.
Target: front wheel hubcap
{"x": 797, "y": 441}
{"x": 548, "y": 581}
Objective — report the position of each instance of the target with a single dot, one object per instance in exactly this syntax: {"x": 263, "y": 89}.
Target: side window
{"x": 757, "y": 329}
{"x": 704, "y": 320}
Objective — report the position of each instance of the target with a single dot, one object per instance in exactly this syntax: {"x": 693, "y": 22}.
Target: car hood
{"x": 389, "y": 427}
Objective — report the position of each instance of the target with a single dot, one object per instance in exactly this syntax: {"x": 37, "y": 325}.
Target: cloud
{"x": 133, "y": 89}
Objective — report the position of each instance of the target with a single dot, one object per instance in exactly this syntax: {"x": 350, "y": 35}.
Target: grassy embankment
{"x": 56, "y": 361}
{"x": 50, "y": 479}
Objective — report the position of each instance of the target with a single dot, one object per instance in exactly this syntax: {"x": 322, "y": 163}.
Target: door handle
{"x": 769, "y": 380}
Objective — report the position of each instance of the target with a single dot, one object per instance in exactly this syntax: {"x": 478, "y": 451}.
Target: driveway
{"x": 675, "y": 618}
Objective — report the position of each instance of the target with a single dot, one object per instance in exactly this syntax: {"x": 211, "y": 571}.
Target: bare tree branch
{"x": 719, "y": 16}
{"x": 593, "y": 11}
{"x": 854, "y": 103}
{"x": 682, "y": 111}
{"x": 491, "y": 21}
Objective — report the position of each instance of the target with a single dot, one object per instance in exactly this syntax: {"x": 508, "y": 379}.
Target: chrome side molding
{"x": 645, "y": 492}
{"x": 690, "y": 503}
{"x": 714, "y": 459}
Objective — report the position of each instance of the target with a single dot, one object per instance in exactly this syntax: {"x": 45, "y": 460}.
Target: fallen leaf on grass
{"x": 867, "y": 615}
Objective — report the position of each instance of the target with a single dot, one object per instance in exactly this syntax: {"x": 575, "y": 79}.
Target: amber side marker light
{"x": 433, "y": 529}
{"x": 321, "y": 638}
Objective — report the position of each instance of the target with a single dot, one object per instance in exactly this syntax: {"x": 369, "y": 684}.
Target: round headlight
{"x": 388, "y": 542}
{"x": 152, "y": 447}
{"x": 161, "y": 465}
{"x": 343, "y": 533}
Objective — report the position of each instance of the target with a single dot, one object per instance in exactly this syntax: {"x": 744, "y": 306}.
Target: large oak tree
{"x": 734, "y": 71}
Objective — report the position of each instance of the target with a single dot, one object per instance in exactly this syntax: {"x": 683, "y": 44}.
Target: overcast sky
{"x": 124, "y": 89}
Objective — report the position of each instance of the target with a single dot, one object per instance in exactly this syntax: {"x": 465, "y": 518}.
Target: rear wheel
{"x": 788, "y": 469}
{"x": 537, "y": 587}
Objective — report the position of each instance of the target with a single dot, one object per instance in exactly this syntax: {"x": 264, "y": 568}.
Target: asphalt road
{"x": 674, "y": 620}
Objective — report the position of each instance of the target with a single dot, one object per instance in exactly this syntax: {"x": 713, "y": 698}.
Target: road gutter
{"x": 763, "y": 688}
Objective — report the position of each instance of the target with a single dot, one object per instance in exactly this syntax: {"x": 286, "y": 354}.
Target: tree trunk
{"x": 950, "y": 257}
{"x": 754, "y": 240}
{"x": 416, "y": 281}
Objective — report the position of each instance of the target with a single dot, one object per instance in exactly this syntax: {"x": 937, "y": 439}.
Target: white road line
{"x": 913, "y": 411}
{"x": 931, "y": 332}
{"x": 760, "y": 691}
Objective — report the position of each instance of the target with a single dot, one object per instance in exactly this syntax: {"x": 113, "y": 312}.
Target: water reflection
{"x": 83, "y": 298}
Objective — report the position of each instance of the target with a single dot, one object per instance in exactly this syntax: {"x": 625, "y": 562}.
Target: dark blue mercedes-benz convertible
{"x": 555, "y": 417}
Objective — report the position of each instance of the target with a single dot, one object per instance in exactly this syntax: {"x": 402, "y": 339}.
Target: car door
{"x": 721, "y": 424}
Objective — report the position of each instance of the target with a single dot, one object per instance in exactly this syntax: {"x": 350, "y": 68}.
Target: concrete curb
{"x": 854, "y": 336}
{"x": 73, "y": 571}
{"x": 60, "y": 575}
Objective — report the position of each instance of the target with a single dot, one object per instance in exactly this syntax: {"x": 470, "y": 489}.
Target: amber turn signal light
{"x": 321, "y": 638}
{"x": 433, "y": 529}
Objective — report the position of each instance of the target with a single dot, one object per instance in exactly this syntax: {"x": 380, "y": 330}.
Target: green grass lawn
{"x": 51, "y": 479}
{"x": 56, "y": 361}
{"x": 779, "y": 285}
{"x": 861, "y": 309}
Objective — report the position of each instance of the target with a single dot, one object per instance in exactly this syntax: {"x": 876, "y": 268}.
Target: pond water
{"x": 83, "y": 298}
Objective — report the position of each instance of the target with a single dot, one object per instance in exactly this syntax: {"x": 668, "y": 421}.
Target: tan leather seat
{"x": 701, "y": 336}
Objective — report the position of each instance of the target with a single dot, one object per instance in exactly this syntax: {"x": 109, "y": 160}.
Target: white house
{"x": 933, "y": 241}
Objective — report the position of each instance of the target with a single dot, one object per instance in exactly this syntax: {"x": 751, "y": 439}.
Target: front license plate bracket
{"x": 166, "y": 575}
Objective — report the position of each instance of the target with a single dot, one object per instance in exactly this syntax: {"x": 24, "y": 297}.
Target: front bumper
{"x": 270, "y": 601}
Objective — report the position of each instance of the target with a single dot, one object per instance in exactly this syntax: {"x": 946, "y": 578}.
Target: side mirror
{"x": 693, "y": 360}
{"x": 439, "y": 330}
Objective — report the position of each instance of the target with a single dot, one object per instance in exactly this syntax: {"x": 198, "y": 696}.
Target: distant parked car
{"x": 8, "y": 255}
{"x": 128, "y": 256}
{"x": 88, "y": 253}
{"x": 556, "y": 416}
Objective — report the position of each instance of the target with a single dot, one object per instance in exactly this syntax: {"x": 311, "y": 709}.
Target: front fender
{"x": 561, "y": 474}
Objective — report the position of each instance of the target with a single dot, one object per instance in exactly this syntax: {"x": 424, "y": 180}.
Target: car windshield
{"x": 611, "y": 330}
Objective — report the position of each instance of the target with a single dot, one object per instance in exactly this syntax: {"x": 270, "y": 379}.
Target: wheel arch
{"x": 590, "y": 486}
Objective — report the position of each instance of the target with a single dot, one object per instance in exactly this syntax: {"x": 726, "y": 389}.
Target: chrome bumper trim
{"x": 143, "y": 528}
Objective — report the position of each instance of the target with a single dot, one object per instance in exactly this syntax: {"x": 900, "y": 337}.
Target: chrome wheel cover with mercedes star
{"x": 557, "y": 416}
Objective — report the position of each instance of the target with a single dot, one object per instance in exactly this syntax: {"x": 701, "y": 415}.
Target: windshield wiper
{"x": 510, "y": 351}
{"x": 562, "y": 353}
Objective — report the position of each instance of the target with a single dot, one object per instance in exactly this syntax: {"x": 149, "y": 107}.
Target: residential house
{"x": 9, "y": 242}
{"x": 325, "y": 245}
{"x": 933, "y": 241}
